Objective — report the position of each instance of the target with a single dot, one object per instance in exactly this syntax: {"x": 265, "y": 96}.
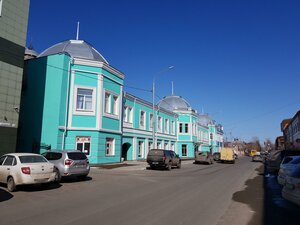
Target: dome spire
{"x": 172, "y": 88}
{"x": 77, "y": 33}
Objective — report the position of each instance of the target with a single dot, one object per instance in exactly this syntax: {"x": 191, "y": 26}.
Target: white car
{"x": 291, "y": 188}
{"x": 25, "y": 168}
{"x": 287, "y": 166}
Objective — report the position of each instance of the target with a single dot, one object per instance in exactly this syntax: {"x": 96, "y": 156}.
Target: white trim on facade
{"x": 98, "y": 64}
{"x": 70, "y": 121}
{"x": 99, "y": 114}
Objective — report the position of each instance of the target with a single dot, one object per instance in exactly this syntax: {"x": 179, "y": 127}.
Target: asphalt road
{"x": 194, "y": 194}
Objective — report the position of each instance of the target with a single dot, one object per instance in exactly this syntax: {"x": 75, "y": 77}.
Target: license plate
{"x": 154, "y": 163}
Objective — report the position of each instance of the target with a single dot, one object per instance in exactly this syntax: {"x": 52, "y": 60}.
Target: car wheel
{"x": 11, "y": 186}
{"x": 57, "y": 176}
{"x": 169, "y": 167}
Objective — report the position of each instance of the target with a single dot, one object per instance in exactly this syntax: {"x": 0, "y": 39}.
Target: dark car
{"x": 163, "y": 158}
{"x": 203, "y": 157}
{"x": 69, "y": 163}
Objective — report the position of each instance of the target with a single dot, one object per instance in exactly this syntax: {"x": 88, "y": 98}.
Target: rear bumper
{"x": 67, "y": 172}
{"x": 28, "y": 179}
{"x": 291, "y": 196}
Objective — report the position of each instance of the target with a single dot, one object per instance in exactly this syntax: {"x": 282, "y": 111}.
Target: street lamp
{"x": 153, "y": 107}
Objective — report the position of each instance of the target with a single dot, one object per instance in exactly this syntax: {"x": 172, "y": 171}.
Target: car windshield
{"x": 32, "y": 159}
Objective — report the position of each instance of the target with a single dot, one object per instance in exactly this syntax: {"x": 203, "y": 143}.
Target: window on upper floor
{"x": 111, "y": 104}
{"x": 151, "y": 121}
{"x": 166, "y": 125}
{"x": 172, "y": 127}
{"x": 180, "y": 127}
{"x": 142, "y": 119}
{"x": 186, "y": 126}
{"x": 159, "y": 124}
{"x": 107, "y": 105}
{"x": 85, "y": 100}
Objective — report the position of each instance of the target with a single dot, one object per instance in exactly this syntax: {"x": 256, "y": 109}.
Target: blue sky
{"x": 238, "y": 61}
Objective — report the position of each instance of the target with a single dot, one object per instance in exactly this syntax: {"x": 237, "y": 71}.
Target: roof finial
{"x": 77, "y": 35}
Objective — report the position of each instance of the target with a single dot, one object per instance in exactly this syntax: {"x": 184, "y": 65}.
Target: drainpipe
{"x": 67, "y": 106}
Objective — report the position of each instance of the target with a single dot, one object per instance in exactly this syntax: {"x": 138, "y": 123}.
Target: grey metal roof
{"x": 204, "y": 119}
{"x": 31, "y": 52}
{"x": 76, "y": 49}
{"x": 174, "y": 102}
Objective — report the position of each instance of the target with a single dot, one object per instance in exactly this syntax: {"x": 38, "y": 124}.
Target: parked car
{"x": 287, "y": 166}
{"x": 291, "y": 188}
{"x": 163, "y": 158}
{"x": 275, "y": 157}
{"x": 257, "y": 158}
{"x": 25, "y": 168}
{"x": 203, "y": 157}
{"x": 216, "y": 156}
{"x": 69, "y": 163}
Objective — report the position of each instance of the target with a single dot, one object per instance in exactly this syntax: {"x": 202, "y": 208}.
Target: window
{"x": 141, "y": 149}
{"x": 166, "y": 145}
{"x": 83, "y": 144}
{"x": 151, "y": 121}
{"x": 166, "y": 126}
{"x": 9, "y": 161}
{"x": 172, "y": 127}
{"x": 125, "y": 114}
{"x": 172, "y": 147}
{"x": 184, "y": 150}
{"x": 84, "y": 100}
{"x": 159, "y": 145}
{"x": 159, "y": 123}
{"x": 149, "y": 145}
{"x": 115, "y": 105}
{"x": 186, "y": 126}
{"x": 110, "y": 146}
{"x": 129, "y": 114}
{"x": 142, "y": 119}
{"x": 107, "y": 106}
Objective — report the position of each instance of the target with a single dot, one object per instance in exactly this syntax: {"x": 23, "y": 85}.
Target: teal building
{"x": 72, "y": 98}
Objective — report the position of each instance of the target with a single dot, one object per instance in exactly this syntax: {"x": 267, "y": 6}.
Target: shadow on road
{"x": 4, "y": 195}
{"x": 263, "y": 195}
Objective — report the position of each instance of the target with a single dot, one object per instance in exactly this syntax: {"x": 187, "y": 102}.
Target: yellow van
{"x": 227, "y": 155}
{"x": 253, "y": 152}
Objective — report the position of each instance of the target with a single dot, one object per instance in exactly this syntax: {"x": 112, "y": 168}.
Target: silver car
{"x": 69, "y": 163}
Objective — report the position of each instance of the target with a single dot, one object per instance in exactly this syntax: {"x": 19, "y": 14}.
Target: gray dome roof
{"x": 76, "y": 49}
{"x": 205, "y": 119}
{"x": 174, "y": 102}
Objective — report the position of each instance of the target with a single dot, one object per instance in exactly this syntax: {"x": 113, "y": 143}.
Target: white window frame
{"x": 159, "y": 123}
{"x": 109, "y": 146}
{"x": 130, "y": 114}
{"x": 141, "y": 149}
{"x": 150, "y": 145}
{"x": 107, "y": 102}
{"x": 172, "y": 127}
{"x": 78, "y": 111}
{"x": 142, "y": 119}
{"x": 84, "y": 140}
{"x": 167, "y": 126}
{"x": 125, "y": 114}
{"x": 115, "y": 109}
{"x": 166, "y": 145}
{"x": 151, "y": 121}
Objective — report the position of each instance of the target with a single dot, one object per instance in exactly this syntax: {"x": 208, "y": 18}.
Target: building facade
{"x": 291, "y": 133}
{"x": 73, "y": 98}
{"x": 13, "y": 30}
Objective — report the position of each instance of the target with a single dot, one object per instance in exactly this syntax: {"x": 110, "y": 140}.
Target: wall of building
{"x": 13, "y": 29}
